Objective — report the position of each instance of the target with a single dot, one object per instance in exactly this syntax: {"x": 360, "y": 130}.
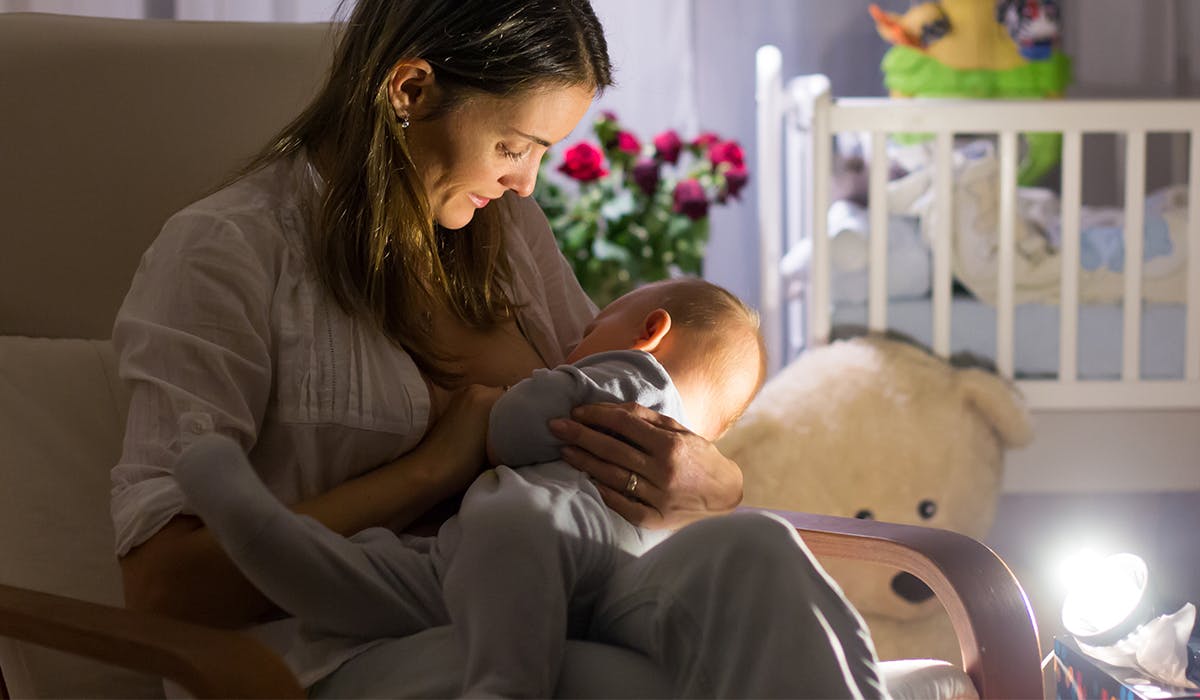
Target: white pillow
{"x": 909, "y": 264}
{"x": 62, "y": 414}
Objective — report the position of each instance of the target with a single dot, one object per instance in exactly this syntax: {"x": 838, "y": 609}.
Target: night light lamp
{"x": 1111, "y": 600}
{"x": 1112, "y": 611}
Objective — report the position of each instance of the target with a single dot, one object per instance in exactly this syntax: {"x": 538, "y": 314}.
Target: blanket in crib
{"x": 975, "y": 231}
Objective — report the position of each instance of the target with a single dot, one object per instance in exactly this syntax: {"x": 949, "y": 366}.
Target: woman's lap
{"x": 430, "y": 665}
{"x": 737, "y": 606}
{"x": 705, "y": 606}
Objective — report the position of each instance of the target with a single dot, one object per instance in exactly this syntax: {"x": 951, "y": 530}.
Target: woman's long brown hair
{"x": 375, "y": 245}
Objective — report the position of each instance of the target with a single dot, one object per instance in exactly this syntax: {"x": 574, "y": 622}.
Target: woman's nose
{"x": 523, "y": 178}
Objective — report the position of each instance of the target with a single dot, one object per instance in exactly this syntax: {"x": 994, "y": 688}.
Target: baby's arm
{"x": 369, "y": 585}
{"x": 517, "y": 432}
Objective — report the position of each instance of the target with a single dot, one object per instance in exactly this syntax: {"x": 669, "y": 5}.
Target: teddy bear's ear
{"x": 748, "y": 432}
{"x": 1000, "y": 403}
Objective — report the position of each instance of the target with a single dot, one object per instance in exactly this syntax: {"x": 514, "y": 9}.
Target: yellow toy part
{"x": 960, "y": 34}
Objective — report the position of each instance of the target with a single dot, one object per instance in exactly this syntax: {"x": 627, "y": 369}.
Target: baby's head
{"x": 705, "y": 337}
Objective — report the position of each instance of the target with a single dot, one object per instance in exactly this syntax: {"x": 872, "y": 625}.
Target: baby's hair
{"x": 708, "y": 314}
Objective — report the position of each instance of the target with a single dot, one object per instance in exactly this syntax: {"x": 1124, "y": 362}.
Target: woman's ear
{"x": 411, "y": 87}
{"x": 654, "y": 328}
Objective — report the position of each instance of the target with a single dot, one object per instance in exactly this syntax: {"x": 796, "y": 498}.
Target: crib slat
{"x": 1007, "y": 252}
{"x": 943, "y": 181}
{"x": 768, "y": 94}
{"x": 822, "y": 150}
{"x": 796, "y": 174}
{"x": 1192, "y": 366}
{"x": 877, "y": 266}
{"x": 1072, "y": 180}
{"x": 1135, "y": 205}
{"x": 870, "y": 113}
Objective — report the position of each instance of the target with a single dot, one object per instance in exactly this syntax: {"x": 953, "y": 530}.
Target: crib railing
{"x": 796, "y": 125}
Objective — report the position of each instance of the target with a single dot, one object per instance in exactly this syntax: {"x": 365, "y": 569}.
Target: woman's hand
{"x": 458, "y": 439}
{"x": 680, "y": 476}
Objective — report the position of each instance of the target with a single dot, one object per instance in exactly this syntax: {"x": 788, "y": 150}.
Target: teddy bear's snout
{"x": 910, "y": 588}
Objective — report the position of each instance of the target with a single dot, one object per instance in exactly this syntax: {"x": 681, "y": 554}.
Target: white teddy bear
{"x": 876, "y": 427}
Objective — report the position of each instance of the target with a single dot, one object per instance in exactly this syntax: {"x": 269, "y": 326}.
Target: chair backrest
{"x": 109, "y": 126}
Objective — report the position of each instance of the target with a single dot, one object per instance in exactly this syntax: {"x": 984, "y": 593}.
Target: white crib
{"x": 796, "y": 125}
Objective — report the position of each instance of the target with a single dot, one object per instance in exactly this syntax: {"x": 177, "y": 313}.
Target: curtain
{"x": 689, "y": 65}
{"x": 126, "y": 9}
{"x": 230, "y": 10}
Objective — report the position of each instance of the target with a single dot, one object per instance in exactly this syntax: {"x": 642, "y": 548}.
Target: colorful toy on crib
{"x": 878, "y": 427}
{"x": 980, "y": 49}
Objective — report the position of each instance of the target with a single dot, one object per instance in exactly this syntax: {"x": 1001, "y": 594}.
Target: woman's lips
{"x": 479, "y": 202}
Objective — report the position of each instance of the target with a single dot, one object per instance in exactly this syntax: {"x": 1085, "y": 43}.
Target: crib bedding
{"x": 1036, "y": 329}
{"x": 1101, "y": 258}
{"x": 1037, "y": 263}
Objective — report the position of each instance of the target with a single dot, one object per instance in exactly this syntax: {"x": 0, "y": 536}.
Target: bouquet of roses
{"x": 632, "y": 213}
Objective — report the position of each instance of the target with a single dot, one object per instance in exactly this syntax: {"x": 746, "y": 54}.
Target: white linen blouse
{"x": 227, "y": 328}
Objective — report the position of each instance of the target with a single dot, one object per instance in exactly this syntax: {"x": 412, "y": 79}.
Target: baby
{"x": 518, "y": 568}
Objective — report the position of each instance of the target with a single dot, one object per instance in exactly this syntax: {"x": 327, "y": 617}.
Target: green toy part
{"x": 910, "y": 72}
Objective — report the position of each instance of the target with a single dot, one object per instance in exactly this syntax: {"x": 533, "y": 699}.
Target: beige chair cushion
{"x": 62, "y": 411}
{"x": 109, "y": 127}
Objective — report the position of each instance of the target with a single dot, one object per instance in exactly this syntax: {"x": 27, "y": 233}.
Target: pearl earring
{"x": 403, "y": 119}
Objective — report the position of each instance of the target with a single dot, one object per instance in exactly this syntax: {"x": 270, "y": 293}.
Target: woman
{"x": 351, "y": 306}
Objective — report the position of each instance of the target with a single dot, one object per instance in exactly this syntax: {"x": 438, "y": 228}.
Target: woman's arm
{"x": 682, "y": 477}
{"x": 182, "y": 572}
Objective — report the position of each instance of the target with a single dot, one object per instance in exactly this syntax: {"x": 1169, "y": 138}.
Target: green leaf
{"x": 605, "y": 250}
{"x": 679, "y": 226}
{"x": 618, "y": 206}
{"x": 576, "y": 234}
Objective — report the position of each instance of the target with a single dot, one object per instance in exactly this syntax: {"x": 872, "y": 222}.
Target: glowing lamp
{"x": 1109, "y": 601}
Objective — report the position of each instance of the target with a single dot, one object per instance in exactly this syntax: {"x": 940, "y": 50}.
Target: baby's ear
{"x": 654, "y": 328}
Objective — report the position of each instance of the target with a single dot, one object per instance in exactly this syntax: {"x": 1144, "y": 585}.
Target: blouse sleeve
{"x": 193, "y": 344}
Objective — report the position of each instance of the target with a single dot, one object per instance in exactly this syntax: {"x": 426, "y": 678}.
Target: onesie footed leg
{"x": 368, "y": 585}
{"x": 736, "y": 606}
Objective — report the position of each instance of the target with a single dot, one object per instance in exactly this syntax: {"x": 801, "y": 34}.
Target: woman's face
{"x": 489, "y": 145}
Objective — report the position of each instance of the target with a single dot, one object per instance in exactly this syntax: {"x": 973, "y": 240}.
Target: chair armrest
{"x": 996, "y": 629}
{"x": 208, "y": 662}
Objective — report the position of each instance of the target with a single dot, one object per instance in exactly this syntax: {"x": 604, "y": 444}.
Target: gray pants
{"x": 733, "y": 606}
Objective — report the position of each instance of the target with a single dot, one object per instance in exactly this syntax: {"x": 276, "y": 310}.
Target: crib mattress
{"x": 1036, "y": 329}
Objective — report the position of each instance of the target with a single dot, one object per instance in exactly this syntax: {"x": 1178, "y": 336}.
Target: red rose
{"x": 583, "y": 162}
{"x": 705, "y": 140}
{"x": 628, "y": 143}
{"x": 727, "y": 152}
{"x": 607, "y": 116}
{"x": 735, "y": 181}
{"x": 667, "y": 146}
{"x": 690, "y": 199}
{"x": 645, "y": 174}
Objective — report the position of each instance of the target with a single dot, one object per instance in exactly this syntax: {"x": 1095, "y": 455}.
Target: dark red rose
{"x": 628, "y": 143}
{"x": 667, "y": 146}
{"x": 690, "y": 199}
{"x": 645, "y": 174}
{"x": 727, "y": 152}
{"x": 706, "y": 139}
{"x": 735, "y": 182}
{"x": 608, "y": 116}
{"x": 583, "y": 162}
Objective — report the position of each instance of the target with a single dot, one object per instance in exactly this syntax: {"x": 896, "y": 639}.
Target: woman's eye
{"x": 927, "y": 509}
{"x": 512, "y": 155}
